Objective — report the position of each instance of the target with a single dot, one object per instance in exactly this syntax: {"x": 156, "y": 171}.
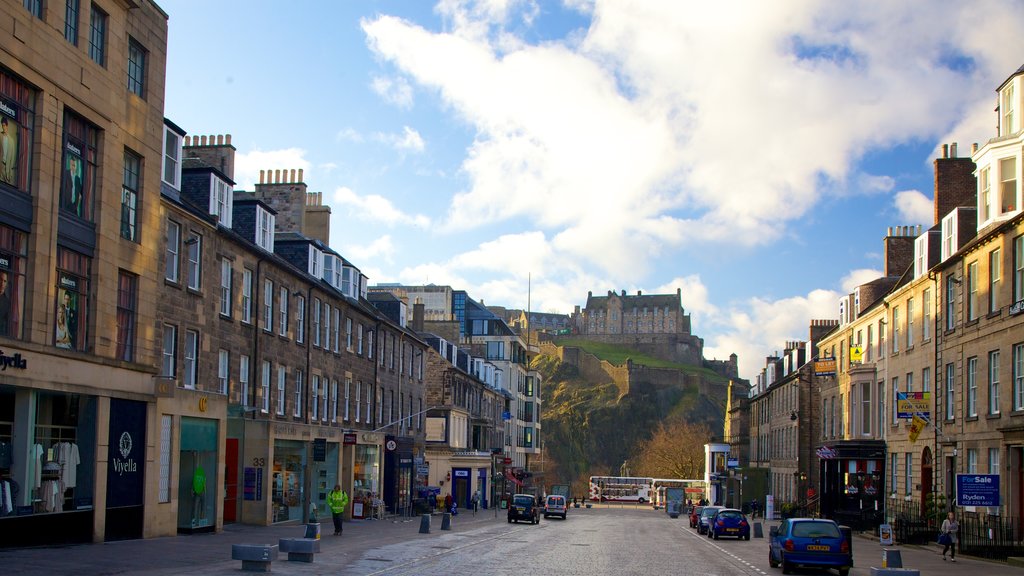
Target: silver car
{"x": 705, "y": 518}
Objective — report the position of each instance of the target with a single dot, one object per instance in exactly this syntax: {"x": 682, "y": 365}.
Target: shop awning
{"x": 511, "y": 476}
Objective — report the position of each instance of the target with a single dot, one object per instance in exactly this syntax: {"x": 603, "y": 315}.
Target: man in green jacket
{"x": 337, "y": 499}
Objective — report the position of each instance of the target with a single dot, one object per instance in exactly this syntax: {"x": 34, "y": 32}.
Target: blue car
{"x": 810, "y": 543}
{"x": 729, "y": 522}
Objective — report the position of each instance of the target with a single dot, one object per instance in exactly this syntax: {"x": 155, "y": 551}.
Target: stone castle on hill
{"x": 655, "y": 324}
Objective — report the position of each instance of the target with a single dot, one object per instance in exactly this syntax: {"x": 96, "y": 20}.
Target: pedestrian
{"x": 476, "y": 501}
{"x": 948, "y": 536}
{"x": 448, "y": 501}
{"x": 337, "y": 499}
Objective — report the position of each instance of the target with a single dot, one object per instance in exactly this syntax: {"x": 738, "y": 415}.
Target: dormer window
{"x": 1008, "y": 185}
{"x": 949, "y": 226}
{"x": 172, "y": 158}
{"x": 1008, "y": 110}
{"x": 221, "y": 201}
{"x": 264, "y": 229}
{"x": 920, "y": 255}
{"x": 316, "y": 259}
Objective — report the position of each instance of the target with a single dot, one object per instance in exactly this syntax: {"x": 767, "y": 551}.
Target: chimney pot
{"x": 202, "y": 140}
{"x": 227, "y": 139}
{"x": 277, "y": 176}
{"x": 293, "y": 180}
{"x": 300, "y": 175}
{"x": 945, "y": 150}
{"x": 952, "y": 149}
{"x": 974, "y": 148}
{"x": 188, "y": 140}
{"x": 261, "y": 176}
{"x": 220, "y": 139}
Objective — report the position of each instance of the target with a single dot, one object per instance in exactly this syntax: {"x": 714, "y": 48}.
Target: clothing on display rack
{"x": 5, "y": 455}
{"x": 37, "y": 457}
{"x": 66, "y": 454}
{"x": 7, "y": 491}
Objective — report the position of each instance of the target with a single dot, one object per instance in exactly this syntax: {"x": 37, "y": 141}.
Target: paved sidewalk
{"x": 927, "y": 559}
{"x": 209, "y": 554}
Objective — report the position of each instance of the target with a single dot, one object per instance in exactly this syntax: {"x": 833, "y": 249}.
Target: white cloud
{"x": 759, "y": 327}
{"x": 635, "y": 140}
{"x": 916, "y": 208}
{"x": 853, "y": 279}
{"x": 397, "y": 91}
{"x": 249, "y": 164}
{"x": 408, "y": 139}
{"x": 350, "y": 134}
{"x": 381, "y": 248}
{"x": 374, "y": 207}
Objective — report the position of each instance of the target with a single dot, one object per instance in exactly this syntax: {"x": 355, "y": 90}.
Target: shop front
{"x": 366, "y": 476}
{"x": 197, "y": 475}
{"x": 851, "y": 483}
{"x": 288, "y": 481}
{"x": 324, "y": 471}
{"x": 398, "y": 474}
{"x": 48, "y": 466}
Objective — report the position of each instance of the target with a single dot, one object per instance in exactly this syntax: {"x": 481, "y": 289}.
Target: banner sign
{"x": 127, "y": 454}
{"x": 916, "y": 425}
{"x": 826, "y": 367}
{"x": 910, "y": 403}
{"x": 977, "y": 489}
{"x": 826, "y": 453}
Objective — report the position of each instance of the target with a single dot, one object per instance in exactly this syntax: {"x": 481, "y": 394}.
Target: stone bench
{"x": 254, "y": 557}
{"x": 299, "y": 549}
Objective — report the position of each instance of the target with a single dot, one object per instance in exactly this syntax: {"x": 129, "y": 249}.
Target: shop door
{"x": 462, "y": 492}
{"x": 231, "y": 481}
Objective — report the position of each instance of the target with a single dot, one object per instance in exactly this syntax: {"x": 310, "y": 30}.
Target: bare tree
{"x": 675, "y": 450}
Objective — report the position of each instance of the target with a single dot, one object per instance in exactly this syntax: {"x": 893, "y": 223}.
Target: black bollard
{"x": 446, "y": 521}
{"x": 758, "y": 530}
{"x": 425, "y": 524}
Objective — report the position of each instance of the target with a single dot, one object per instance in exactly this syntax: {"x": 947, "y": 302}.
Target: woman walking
{"x": 948, "y": 534}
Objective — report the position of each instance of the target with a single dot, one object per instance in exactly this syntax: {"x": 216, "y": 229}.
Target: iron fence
{"x": 989, "y": 536}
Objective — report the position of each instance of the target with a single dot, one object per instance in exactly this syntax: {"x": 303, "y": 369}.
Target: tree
{"x": 675, "y": 450}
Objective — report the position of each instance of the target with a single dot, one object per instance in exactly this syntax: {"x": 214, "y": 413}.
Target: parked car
{"x": 524, "y": 507}
{"x": 729, "y": 522}
{"x": 704, "y": 520}
{"x": 555, "y": 506}
{"x": 695, "y": 515}
{"x": 809, "y": 542}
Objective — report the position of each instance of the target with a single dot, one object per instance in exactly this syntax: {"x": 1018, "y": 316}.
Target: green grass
{"x": 617, "y": 354}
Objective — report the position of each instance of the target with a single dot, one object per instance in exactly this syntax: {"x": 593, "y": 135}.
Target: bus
{"x": 685, "y": 490}
{"x": 620, "y": 489}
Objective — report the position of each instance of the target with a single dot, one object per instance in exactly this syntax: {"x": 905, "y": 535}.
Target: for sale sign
{"x": 977, "y": 489}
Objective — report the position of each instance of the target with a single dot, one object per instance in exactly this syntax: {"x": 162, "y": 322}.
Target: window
{"x": 72, "y": 299}
{"x": 281, "y": 384}
{"x": 1018, "y": 377}
{"x": 191, "y": 358}
{"x": 1018, "y": 269}
{"x": 926, "y": 379}
{"x": 172, "y": 158}
{"x": 324, "y": 399}
{"x": 71, "y": 10}
{"x": 327, "y": 326}
{"x": 895, "y": 329}
{"x": 98, "y": 36}
{"x": 17, "y": 120}
{"x": 910, "y": 382}
{"x": 300, "y": 318}
{"x": 136, "y": 68}
{"x": 985, "y": 198}
{"x": 282, "y": 328}
{"x": 993, "y": 382}
{"x": 130, "y": 197}
{"x": 265, "y": 387}
{"x": 243, "y": 380}
{"x": 950, "y": 302}
{"x": 950, "y": 390}
{"x": 223, "y": 358}
{"x": 993, "y": 460}
{"x": 316, "y": 321}
{"x": 337, "y": 328}
{"x": 35, "y": 8}
{"x": 995, "y": 273}
{"x": 949, "y": 226}
{"x": 169, "y": 367}
{"x": 164, "y": 483}
{"x": 865, "y": 399}
{"x": 910, "y": 322}
{"x": 195, "y": 247}
{"x": 78, "y": 177}
{"x": 314, "y": 400}
{"x": 1008, "y": 111}
{"x": 893, "y": 471}
{"x": 972, "y": 386}
{"x": 247, "y": 296}
{"x": 380, "y": 405}
{"x": 221, "y": 201}
{"x": 359, "y": 339}
{"x": 359, "y": 399}
{"x": 926, "y": 315}
{"x": 369, "y": 344}
{"x": 895, "y": 400}
{"x": 268, "y": 305}
{"x": 369, "y": 401}
{"x": 264, "y": 229}
{"x": 972, "y": 291}
{"x": 334, "y": 400}
{"x": 348, "y": 334}
{"x": 972, "y": 461}
{"x": 1008, "y": 184}
{"x": 127, "y": 304}
{"x": 881, "y": 407}
{"x": 225, "y": 287}
{"x": 908, "y": 473}
{"x": 348, "y": 389}
{"x": 299, "y": 383}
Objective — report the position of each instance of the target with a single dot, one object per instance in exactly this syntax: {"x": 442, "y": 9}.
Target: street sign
{"x": 977, "y": 489}
{"x": 507, "y": 461}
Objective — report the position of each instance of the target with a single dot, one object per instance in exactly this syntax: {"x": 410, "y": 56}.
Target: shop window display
{"x": 365, "y": 479}
{"x": 47, "y": 454}
{"x": 197, "y": 474}
{"x": 288, "y": 483}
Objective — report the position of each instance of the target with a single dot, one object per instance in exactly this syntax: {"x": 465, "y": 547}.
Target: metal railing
{"x": 989, "y": 536}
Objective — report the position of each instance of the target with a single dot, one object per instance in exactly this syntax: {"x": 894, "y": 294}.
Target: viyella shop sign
{"x": 127, "y": 453}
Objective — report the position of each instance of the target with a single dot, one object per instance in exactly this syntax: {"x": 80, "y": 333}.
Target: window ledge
{"x": 995, "y": 416}
{"x": 973, "y": 418}
{"x": 973, "y": 322}
{"x": 994, "y": 314}
{"x": 1016, "y": 413}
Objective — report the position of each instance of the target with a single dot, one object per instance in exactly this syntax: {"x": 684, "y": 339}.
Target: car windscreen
{"x": 730, "y": 514}
{"x": 815, "y": 530}
{"x": 556, "y": 501}
{"x": 708, "y": 512}
{"x": 522, "y": 500}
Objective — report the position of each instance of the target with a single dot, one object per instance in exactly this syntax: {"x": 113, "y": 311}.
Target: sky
{"x": 751, "y": 154}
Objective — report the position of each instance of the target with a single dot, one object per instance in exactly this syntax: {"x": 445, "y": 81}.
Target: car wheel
{"x": 509, "y": 520}
{"x": 771, "y": 560}
{"x": 746, "y": 536}
{"x": 787, "y": 568}
{"x": 844, "y": 571}
{"x": 714, "y": 535}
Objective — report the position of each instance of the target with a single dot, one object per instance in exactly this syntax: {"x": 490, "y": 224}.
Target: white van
{"x": 555, "y": 506}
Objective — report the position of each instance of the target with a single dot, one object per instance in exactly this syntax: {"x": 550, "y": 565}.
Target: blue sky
{"x": 751, "y": 154}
